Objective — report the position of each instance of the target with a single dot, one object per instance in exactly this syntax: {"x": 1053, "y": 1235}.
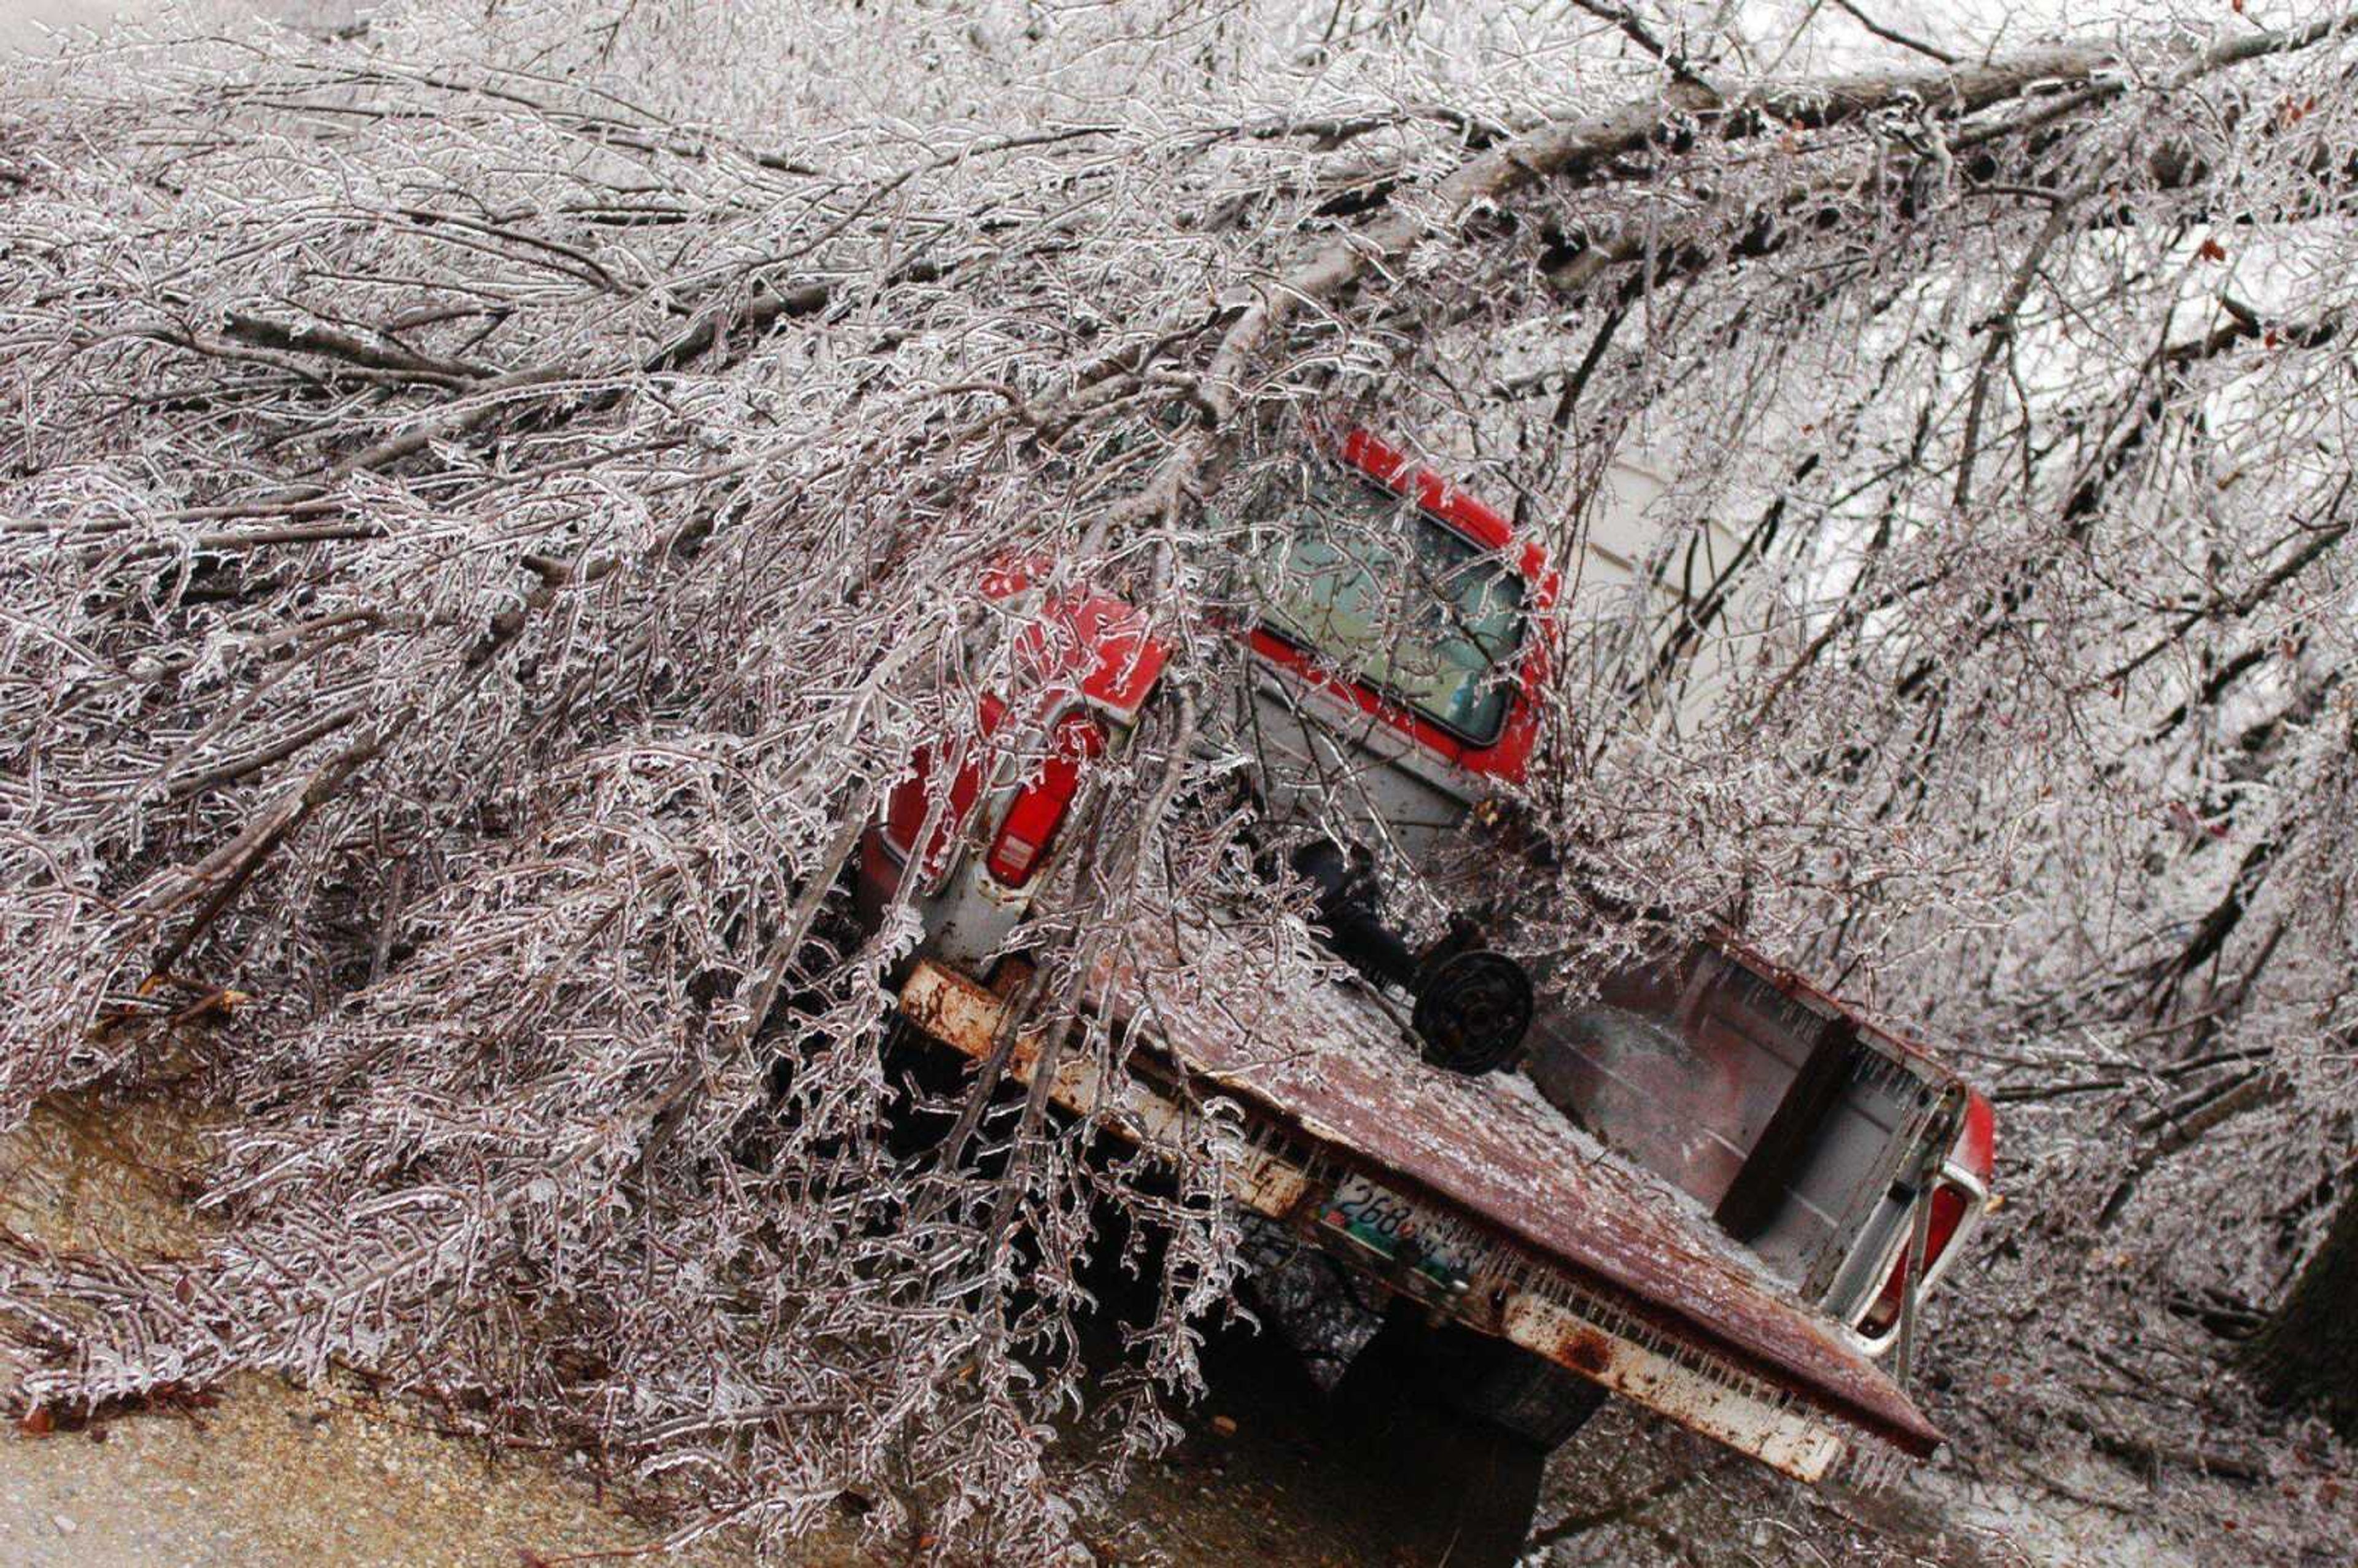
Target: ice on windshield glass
{"x": 1399, "y": 601}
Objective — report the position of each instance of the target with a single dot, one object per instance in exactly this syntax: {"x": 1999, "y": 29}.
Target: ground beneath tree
{"x": 263, "y": 1472}
{"x": 271, "y": 1474}
{"x": 1271, "y": 1473}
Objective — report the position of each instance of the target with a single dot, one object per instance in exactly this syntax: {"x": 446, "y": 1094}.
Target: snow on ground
{"x": 41, "y": 25}
{"x": 2050, "y": 1531}
{"x": 27, "y": 24}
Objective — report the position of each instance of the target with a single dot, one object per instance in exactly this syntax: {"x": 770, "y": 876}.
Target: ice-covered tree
{"x": 488, "y": 506}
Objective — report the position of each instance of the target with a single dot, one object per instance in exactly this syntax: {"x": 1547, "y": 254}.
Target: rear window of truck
{"x": 1397, "y": 599}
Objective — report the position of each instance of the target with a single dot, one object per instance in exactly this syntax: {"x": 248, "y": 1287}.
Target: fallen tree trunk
{"x": 2305, "y": 1355}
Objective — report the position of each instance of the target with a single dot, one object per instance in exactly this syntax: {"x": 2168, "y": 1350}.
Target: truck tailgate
{"x": 1582, "y": 1257}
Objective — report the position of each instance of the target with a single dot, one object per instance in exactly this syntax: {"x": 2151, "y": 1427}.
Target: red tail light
{"x": 1039, "y": 809}
{"x": 905, "y": 807}
{"x": 1949, "y": 1204}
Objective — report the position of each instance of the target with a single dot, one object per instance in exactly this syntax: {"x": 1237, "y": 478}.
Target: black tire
{"x": 1457, "y": 1427}
{"x": 1499, "y": 1382}
{"x": 1477, "y": 1376}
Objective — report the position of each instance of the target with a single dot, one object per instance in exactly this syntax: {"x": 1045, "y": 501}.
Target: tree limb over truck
{"x": 1702, "y": 1186}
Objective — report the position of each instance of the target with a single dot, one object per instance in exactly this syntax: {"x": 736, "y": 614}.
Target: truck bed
{"x": 1498, "y": 1209}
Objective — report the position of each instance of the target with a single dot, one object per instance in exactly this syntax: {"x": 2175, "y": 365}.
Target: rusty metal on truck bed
{"x": 1566, "y": 1249}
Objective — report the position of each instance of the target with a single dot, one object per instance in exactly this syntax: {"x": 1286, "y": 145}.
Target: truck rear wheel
{"x": 1459, "y": 1426}
{"x": 1490, "y": 1379}
{"x": 1528, "y": 1395}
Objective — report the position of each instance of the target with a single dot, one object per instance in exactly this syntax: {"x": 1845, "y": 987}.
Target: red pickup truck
{"x": 1710, "y": 1188}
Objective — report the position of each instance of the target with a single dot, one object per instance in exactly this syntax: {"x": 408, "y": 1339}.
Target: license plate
{"x": 1391, "y": 1226}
